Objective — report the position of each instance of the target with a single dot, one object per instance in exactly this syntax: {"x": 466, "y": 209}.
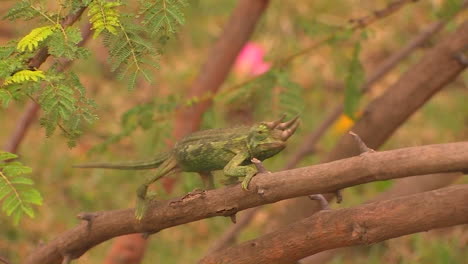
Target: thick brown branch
{"x": 363, "y": 225}
{"x": 236, "y": 33}
{"x": 273, "y": 187}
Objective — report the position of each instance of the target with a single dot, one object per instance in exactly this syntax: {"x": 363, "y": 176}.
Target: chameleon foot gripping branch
{"x": 230, "y": 150}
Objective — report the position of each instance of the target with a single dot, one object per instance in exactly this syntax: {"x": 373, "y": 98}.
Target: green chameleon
{"x": 229, "y": 149}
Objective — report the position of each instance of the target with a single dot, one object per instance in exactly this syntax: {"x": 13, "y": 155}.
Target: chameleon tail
{"x": 129, "y": 165}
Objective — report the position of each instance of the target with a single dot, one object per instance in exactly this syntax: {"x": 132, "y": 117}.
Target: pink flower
{"x": 250, "y": 60}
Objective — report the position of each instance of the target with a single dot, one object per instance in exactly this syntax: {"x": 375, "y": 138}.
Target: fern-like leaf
{"x": 31, "y": 41}
{"x": 291, "y": 99}
{"x": 66, "y": 45}
{"x": 25, "y": 76}
{"x": 16, "y": 191}
{"x": 65, "y": 106}
{"x": 130, "y": 53}
{"x": 104, "y": 16}
{"x": 163, "y": 16}
{"x": 21, "y": 10}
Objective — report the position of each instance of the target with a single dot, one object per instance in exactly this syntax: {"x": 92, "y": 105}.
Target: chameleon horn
{"x": 285, "y": 125}
{"x": 288, "y": 132}
{"x": 274, "y": 124}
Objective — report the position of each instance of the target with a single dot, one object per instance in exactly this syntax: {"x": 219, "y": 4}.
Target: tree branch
{"x": 272, "y": 186}
{"x": 363, "y": 225}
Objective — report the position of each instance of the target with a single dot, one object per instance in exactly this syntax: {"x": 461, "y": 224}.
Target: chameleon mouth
{"x": 288, "y": 128}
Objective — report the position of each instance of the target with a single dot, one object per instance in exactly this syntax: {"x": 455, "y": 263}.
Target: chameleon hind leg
{"x": 165, "y": 168}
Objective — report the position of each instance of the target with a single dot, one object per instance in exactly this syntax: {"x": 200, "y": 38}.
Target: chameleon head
{"x": 266, "y": 139}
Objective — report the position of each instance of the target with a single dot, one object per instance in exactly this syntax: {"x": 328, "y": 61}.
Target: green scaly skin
{"x": 230, "y": 150}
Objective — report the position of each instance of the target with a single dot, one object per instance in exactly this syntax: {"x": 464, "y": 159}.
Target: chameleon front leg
{"x": 234, "y": 169}
{"x": 142, "y": 200}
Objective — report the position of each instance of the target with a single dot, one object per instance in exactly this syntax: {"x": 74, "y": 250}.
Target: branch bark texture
{"x": 265, "y": 188}
{"x": 363, "y": 225}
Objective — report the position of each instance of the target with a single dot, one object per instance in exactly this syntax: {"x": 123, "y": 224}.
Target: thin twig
{"x": 4, "y": 260}
{"x": 66, "y": 259}
{"x": 88, "y": 217}
{"x": 362, "y": 146}
{"x": 229, "y": 236}
{"x": 259, "y": 165}
{"x": 323, "y": 202}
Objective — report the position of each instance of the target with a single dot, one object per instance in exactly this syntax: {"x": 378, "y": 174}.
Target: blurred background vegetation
{"x": 318, "y": 77}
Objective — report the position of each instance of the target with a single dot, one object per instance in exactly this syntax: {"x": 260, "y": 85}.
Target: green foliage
{"x": 66, "y": 45}
{"x": 449, "y": 8}
{"x": 145, "y": 116}
{"x": 21, "y": 10}
{"x": 65, "y": 106}
{"x": 354, "y": 80}
{"x": 163, "y": 17}
{"x": 133, "y": 51}
{"x": 31, "y": 41}
{"x": 130, "y": 53}
{"x": 260, "y": 91}
{"x": 16, "y": 191}
{"x": 103, "y": 15}
{"x": 291, "y": 98}
{"x": 316, "y": 28}
{"x": 25, "y": 76}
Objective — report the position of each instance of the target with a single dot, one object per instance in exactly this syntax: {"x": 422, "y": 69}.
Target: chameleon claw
{"x": 245, "y": 185}
{"x": 141, "y": 207}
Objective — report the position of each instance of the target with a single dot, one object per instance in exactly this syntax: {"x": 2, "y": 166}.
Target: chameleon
{"x": 228, "y": 149}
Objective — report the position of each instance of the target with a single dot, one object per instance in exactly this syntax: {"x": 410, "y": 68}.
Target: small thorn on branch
{"x": 88, "y": 217}
{"x": 66, "y": 259}
{"x": 339, "y": 196}
{"x": 4, "y": 260}
{"x": 362, "y": 146}
{"x": 259, "y": 165}
{"x": 323, "y": 202}
{"x": 233, "y": 218}
{"x": 145, "y": 235}
{"x": 461, "y": 58}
